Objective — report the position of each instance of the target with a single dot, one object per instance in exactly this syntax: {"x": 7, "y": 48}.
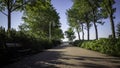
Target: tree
{"x": 70, "y": 34}
{"x": 42, "y": 20}
{"x": 88, "y": 12}
{"x": 73, "y": 19}
{"x": 11, "y": 6}
{"x": 84, "y": 12}
{"x": 108, "y": 11}
{"x": 95, "y": 14}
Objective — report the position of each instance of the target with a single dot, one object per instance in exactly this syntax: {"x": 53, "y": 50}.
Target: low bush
{"x": 76, "y": 42}
{"x": 56, "y": 42}
{"x": 108, "y": 46}
{"x": 79, "y": 42}
{"x": 26, "y": 41}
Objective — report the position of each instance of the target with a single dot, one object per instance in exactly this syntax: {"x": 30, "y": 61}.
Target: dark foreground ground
{"x": 67, "y": 57}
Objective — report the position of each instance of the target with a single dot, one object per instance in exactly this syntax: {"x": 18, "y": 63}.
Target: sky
{"x": 61, "y": 6}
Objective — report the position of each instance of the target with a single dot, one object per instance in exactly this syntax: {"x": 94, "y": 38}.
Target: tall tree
{"x": 87, "y": 21}
{"x": 84, "y": 11}
{"x": 73, "y": 19}
{"x": 95, "y": 14}
{"x": 88, "y": 11}
{"x": 39, "y": 16}
{"x": 11, "y": 6}
{"x": 108, "y": 11}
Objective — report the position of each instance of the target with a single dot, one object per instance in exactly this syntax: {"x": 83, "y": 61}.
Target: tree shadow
{"x": 60, "y": 47}
{"x": 45, "y": 59}
{"x": 52, "y": 58}
{"x": 96, "y": 61}
{"x": 59, "y": 55}
{"x": 93, "y": 65}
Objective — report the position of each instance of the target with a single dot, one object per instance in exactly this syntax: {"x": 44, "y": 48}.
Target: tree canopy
{"x": 10, "y": 6}
{"x": 42, "y": 20}
{"x": 85, "y": 13}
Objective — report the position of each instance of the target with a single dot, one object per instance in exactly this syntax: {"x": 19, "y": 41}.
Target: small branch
{"x": 16, "y": 8}
{"x": 13, "y": 4}
{"x": 19, "y": 6}
{"x": 106, "y": 7}
{"x": 4, "y": 13}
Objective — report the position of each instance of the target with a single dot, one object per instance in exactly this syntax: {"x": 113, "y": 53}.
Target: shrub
{"x": 76, "y": 42}
{"x": 26, "y": 40}
{"x": 56, "y": 42}
{"x": 108, "y": 46}
{"x": 2, "y": 37}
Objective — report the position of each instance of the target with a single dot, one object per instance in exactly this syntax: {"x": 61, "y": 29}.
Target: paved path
{"x": 67, "y": 57}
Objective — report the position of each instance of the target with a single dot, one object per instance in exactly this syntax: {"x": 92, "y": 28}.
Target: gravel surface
{"x": 67, "y": 57}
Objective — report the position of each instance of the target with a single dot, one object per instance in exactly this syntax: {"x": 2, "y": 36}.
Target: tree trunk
{"x": 78, "y": 33}
{"x": 94, "y": 23}
{"x": 82, "y": 32}
{"x": 9, "y": 15}
{"x": 96, "y": 31}
{"x": 88, "y": 32}
{"x": 112, "y": 26}
{"x": 9, "y": 20}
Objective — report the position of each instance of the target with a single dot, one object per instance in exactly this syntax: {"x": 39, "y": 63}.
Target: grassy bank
{"x": 103, "y": 45}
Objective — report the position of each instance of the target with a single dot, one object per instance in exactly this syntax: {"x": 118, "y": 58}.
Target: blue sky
{"x": 61, "y": 6}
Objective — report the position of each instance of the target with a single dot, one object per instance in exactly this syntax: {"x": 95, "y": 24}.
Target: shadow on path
{"x": 95, "y": 62}
{"x": 59, "y": 57}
